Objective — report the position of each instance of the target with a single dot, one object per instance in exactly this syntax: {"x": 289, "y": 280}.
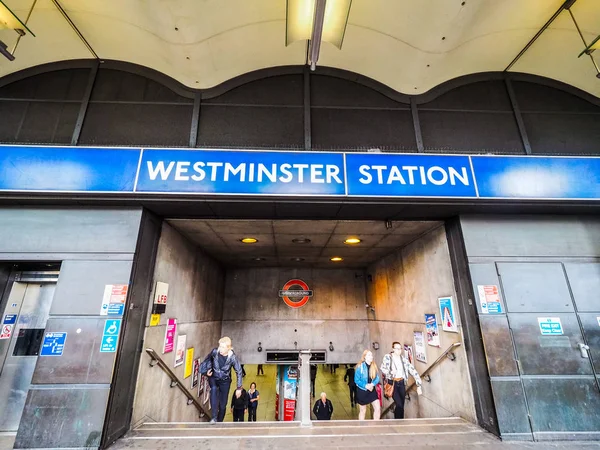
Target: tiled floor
{"x": 332, "y": 384}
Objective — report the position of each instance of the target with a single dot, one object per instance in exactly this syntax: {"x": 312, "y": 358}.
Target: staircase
{"x": 408, "y": 433}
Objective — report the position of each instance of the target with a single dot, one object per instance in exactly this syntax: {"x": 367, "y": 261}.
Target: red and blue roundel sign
{"x": 295, "y": 293}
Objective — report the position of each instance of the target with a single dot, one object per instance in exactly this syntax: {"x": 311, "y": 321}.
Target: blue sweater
{"x": 361, "y": 377}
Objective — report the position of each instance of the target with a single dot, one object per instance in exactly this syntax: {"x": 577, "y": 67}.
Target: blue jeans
{"x": 219, "y": 394}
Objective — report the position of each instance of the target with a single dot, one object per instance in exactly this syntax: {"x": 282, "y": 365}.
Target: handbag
{"x": 388, "y": 388}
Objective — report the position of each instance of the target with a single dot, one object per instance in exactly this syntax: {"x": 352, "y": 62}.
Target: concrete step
{"x": 150, "y": 426}
{"x": 445, "y": 428}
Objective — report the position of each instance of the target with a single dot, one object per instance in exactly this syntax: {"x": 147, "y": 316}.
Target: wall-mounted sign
{"x": 489, "y": 299}
{"x": 550, "y": 326}
{"x": 110, "y": 336}
{"x": 169, "y": 343}
{"x": 420, "y": 352}
{"x": 295, "y": 293}
{"x": 408, "y": 353}
{"x": 189, "y": 362}
{"x": 243, "y": 172}
{"x": 447, "y": 314}
{"x": 53, "y": 344}
{"x": 195, "y": 373}
{"x": 161, "y": 293}
{"x": 113, "y": 301}
{"x": 433, "y": 333}
{"x": 154, "y": 320}
{"x": 180, "y": 350}
{"x": 598, "y": 318}
{"x": 10, "y": 319}
{"x": 6, "y": 331}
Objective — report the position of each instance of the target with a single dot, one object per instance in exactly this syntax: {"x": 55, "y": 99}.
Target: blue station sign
{"x": 300, "y": 174}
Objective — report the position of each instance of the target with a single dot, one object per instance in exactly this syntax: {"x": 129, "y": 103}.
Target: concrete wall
{"x": 67, "y": 401}
{"x": 405, "y": 286}
{"x": 195, "y": 300}
{"x": 254, "y": 312}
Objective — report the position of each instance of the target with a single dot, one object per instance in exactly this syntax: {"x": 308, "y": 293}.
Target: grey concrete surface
{"x": 442, "y": 434}
{"x": 253, "y": 312}
{"x": 405, "y": 286}
{"x": 195, "y": 300}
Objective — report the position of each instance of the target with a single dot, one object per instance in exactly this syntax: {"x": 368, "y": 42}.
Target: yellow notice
{"x": 189, "y": 362}
{"x": 154, "y": 320}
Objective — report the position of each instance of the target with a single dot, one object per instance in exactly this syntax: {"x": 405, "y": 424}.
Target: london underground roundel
{"x": 295, "y": 293}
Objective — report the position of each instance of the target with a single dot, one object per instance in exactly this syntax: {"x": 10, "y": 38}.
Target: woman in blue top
{"x": 366, "y": 378}
{"x": 253, "y": 398}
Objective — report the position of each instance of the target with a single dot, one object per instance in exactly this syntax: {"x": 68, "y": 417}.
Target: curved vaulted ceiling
{"x": 410, "y": 46}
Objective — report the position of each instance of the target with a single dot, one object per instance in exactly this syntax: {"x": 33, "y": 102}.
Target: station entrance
{"x": 337, "y": 286}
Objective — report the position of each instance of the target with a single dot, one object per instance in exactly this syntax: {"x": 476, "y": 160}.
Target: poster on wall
{"x": 408, "y": 353}
{"x": 180, "y": 350}
{"x": 195, "y": 373}
{"x": 489, "y": 299}
{"x": 189, "y": 362}
{"x": 447, "y": 314}
{"x": 170, "y": 336}
{"x": 419, "y": 339}
{"x": 113, "y": 301}
{"x": 290, "y": 386}
{"x": 433, "y": 333}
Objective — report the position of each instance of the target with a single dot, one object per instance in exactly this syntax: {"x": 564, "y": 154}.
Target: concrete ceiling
{"x": 410, "y": 46}
{"x": 221, "y": 240}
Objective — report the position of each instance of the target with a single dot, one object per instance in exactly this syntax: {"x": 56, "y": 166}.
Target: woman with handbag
{"x": 396, "y": 369}
{"x": 366, "y": 377}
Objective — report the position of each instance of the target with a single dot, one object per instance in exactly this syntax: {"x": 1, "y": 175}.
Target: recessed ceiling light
{"x": 259, "y": 259}
{"x": 301, "y": 240}
{"x": 352, "y": 241}
{"x": 297, "y": 259}
{"x": 249, "y": 240}
{"x": 337, "y": 259}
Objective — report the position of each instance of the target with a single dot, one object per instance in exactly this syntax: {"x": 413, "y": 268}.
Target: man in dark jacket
{"x": 313, "y": 377}
{"x": 239, "y": 404}
{"x": 351, "y": 384}
{"x": 323, "y": 408}
{"x": 217, "y": 366}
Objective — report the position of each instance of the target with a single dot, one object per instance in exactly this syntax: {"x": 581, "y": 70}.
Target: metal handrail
{"x": 157, "y": 360}
{"x": 425, "y": 375}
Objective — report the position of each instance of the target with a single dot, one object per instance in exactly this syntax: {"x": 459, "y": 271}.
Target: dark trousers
{"x": 238, "y": 415}
{"x": 259, "y": 370}
{"x": 352, "y": 388}
{"x": 252, "y": 413}
{"x": 399, "y": 396}
{"x": 312, "y": 387}
{"x": 219, "y": 394}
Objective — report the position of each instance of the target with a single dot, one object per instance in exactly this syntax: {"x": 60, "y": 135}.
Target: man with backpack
{"x": 217, "y": 367}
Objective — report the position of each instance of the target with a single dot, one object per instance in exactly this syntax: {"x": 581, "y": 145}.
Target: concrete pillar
{"x": 304, "y": 388}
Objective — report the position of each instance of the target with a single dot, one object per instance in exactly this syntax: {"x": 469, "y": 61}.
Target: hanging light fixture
{"x": 316, "y": 21}
{"x": 10, "y": 21}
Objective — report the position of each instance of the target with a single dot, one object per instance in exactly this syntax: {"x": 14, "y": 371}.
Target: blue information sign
{"x": 238, "y": 172}
{"x": 54, "y": 344}
{"x": 110, "y": 337}
{"x": 9, "y": 319}
{"x": 389, "y": 175}
{"x": 299, "y": 174}
{"x": 115, "y": 309}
